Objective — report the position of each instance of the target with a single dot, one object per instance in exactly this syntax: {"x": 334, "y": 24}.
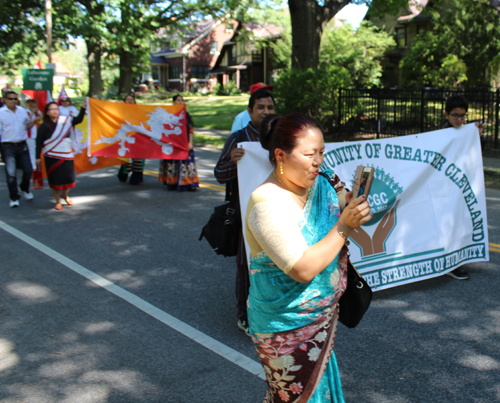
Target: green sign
{"x": 37, "y": 79}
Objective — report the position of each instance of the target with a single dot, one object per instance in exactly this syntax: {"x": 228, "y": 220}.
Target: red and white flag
{"x": 41, "y": 98}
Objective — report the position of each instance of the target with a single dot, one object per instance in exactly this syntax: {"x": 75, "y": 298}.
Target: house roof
{"x": 196, "y": 31}
{"x": 265, "y": 30}
{"x": 158, "y": 60}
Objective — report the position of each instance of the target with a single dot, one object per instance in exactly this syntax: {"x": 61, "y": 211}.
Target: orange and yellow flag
{"x": 137, "y": 131}
{"x": 83, "y": 162}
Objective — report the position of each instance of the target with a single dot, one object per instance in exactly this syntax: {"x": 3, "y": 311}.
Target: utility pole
{"x": 48, "y": 19}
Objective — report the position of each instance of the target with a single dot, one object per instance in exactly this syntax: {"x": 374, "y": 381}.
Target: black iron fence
{"x": 398, "y": 112}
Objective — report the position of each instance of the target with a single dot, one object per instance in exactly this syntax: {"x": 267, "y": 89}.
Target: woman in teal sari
{"x": 296, "y": 226}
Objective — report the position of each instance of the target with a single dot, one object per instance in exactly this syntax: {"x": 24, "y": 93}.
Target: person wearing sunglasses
{"x": 66, "y": 108}
{"x": 14, "y": 125}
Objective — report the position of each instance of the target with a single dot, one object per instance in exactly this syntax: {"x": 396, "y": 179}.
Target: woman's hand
{"x": 321, "y": 254}
{"x": 38, "y": 163}
{"x": 356, "y": 213}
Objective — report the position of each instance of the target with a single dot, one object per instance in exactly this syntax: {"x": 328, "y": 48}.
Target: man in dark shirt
{"x": 260, "y": 105}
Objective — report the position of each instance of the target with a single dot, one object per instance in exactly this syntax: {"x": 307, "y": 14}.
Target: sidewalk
{"x": 212, "y": 132}
{"x": 488, "y": 163}
{"x": 491, "y": 163}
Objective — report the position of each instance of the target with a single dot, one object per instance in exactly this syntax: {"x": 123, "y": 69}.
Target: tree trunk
{"x": 308, "y": 21}
{"x": 94, "y": 50}
{"x": 125, "y": 83}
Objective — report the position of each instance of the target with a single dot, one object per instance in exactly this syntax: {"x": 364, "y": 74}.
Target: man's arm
{"x": 226, "y": 168}
{"x": 28, "y": 119}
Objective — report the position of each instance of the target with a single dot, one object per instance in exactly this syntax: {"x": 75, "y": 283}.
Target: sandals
{"x": 69, "y": 202}
{"x": 58, "y": 206}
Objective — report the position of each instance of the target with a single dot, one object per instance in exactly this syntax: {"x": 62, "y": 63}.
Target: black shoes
{"x": 459, "y": 274}
{"x": 243, "y": 326}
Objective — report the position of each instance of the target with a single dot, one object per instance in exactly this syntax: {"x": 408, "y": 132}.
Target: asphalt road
{"x": 115, "y": 300}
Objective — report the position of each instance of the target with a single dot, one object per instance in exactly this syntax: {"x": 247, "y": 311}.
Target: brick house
{"x": 211, "y": 52}
{"x": 183, "y": 61}
{"x": 245, "y": 58}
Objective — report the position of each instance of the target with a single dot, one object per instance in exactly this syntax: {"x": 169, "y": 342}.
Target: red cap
{"x": 260, "y": 86}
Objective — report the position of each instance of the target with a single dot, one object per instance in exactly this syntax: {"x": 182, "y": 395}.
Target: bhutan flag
{"x": 123, "y": 130}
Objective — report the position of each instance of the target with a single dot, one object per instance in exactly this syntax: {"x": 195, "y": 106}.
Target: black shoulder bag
{"x": 357, "y": 296}
{"x": 223, "y": 228}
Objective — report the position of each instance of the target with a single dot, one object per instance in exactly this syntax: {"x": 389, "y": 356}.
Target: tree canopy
{"x": 461, "y": 48}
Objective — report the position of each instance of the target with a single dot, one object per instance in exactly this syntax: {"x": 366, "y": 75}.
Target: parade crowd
{"x": 297, "y": 225}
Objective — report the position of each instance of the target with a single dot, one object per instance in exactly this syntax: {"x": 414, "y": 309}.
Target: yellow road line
{"x": 494, "y": 250}
{"x": 494, "y": 245}
{"x": 212, "y": 186}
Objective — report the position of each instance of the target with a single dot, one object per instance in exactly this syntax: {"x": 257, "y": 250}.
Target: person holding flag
{"x": 36, "y": 114}
{"x": 181, "y": 174}
{"x": 54, "y": 137}
{"x": 66, "y": 108}
{"x": 136, "y": 165}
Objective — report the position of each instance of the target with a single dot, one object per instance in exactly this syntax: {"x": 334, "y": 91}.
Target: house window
{"x": 257, "y": 56}
{"x": 241, "y": 48}
{"x": 421, "y": 29}
{"x": 174, "y": 72}
{"x": 401, "y": 37}
{"x": 214, "y": 47}
{"x": 200, "y": 72}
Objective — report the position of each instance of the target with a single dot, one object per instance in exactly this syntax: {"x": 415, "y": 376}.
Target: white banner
{"x": 428, "y": 202}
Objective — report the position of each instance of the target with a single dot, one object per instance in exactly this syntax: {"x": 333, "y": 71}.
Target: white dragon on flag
{"x": 158, "y": 119}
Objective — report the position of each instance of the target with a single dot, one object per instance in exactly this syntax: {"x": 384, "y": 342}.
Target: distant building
{"x": 405, "y": 28}
{"x": 246, "y": 57}
{"x": 211, "y": 52}
{"x": 183, "y": 61}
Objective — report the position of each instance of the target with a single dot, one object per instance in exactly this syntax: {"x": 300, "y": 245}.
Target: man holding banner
{"x": 260, "y": 105}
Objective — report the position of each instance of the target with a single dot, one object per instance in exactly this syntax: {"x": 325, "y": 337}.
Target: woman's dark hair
{"x": 45, "y": 116}
{"x": 456, "y": 101}
{"x": 283, "y": 132}
{"x": 177, "y": 96}
{"x": 129, "y": 95}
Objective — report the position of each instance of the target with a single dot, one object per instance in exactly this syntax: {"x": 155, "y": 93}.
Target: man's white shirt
{"x": 13, "y": 125}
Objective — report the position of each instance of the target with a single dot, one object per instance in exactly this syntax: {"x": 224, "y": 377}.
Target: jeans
{"x": 17, "y": 156}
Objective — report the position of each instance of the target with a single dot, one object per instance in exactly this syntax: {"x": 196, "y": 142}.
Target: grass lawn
{"x": 204, "y": 139}
{"x": 215, "y": 112}
{"x": 211, "y": 112}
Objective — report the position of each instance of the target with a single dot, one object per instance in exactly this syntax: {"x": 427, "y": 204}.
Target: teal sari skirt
{"x": 293, "y": 324}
